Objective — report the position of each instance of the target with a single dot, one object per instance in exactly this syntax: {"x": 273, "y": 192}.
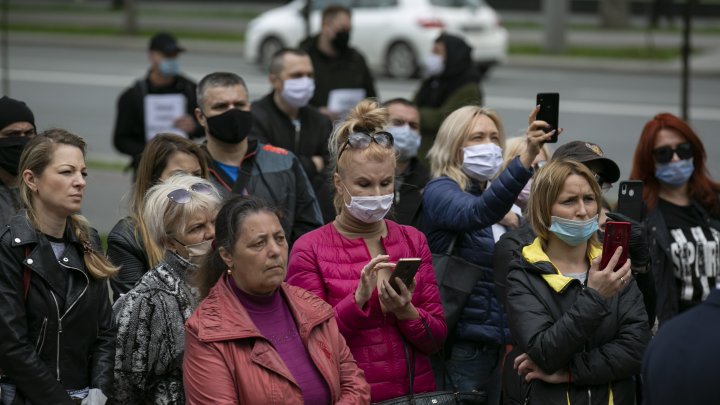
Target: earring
{"x": 229, "y": 271}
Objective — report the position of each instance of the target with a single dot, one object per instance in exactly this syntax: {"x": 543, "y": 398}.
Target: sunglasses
{"x": 664, "y": 154}
{"x": 362, "y": 140}
{"x": 604, "y": 184}
{"x": 182, "y": 196}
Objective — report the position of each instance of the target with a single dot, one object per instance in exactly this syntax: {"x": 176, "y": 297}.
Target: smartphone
{"x": 405, "y": 270}
{"x": 617, "y": 234}
{"x": 549, "y": 110}
{"x": 630, "y": 199}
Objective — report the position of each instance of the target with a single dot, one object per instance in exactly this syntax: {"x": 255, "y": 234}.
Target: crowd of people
{"x": 257, "y": 261}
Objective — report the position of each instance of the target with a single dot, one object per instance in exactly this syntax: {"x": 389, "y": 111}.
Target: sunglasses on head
{"x": 664, "y": 154}
{"x": 182, "y": 195}
{"x": 362, "y": 140}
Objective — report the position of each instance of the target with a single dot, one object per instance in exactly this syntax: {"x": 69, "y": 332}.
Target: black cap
{"x": 585, "y": 152}
{"x": 165, "y": 43}
{"x": 12, "y": 111}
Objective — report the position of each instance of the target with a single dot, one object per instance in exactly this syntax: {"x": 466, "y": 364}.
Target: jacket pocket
{"x": 41, "y": 336}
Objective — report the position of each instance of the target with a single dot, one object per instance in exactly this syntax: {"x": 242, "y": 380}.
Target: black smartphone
{"x": 617, "y": 234}
{"x": 630, "y": 199}
{"x": 405, "y": 270}
{"x": 549, "y": 110}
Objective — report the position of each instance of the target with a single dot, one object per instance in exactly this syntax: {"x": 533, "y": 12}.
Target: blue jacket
{"x": 449, "y": 210}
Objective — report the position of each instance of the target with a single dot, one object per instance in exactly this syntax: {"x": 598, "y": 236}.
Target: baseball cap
{"x": 585, "y": 152}
{"x": 165, "y": 43}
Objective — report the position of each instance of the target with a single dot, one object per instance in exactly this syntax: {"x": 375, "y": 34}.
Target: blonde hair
{"x": 515, "y": 146}
{"x": 547, "y": 185}
{"x": 153, "y": 162}
{"x": 445, "y": 154}
{"x": 367, "y": 116}
{"x": 164, "y": 218}
{"x": 36, "y": 157}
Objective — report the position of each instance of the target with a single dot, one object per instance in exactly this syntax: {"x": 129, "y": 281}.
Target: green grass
{"x": 634, "y": 53}
{"x": 117, "y": 31}
{"x": 105, "y": 166}
{"x": 103, "y": 241}
{"x": 142, "y": 11}
{"x": 530, "y": 25}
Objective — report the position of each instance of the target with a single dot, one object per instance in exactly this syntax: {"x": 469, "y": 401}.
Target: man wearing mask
{"x": 243, "y": 166}
{"x": 17, "y": 126}
{"x": 283, "y": 118}
{"x": 342, "y": 77}
{"x": 163, "y": 101}
{"x": 410, "y": 174}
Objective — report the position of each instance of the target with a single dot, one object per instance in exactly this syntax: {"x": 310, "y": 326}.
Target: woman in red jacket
{"x": 349, "y": 262}
{"x": 255, "y": 339}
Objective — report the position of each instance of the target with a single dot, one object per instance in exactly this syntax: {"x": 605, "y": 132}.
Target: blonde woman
{"x": 57, "y": 338}
{"x": 467, "y": 195}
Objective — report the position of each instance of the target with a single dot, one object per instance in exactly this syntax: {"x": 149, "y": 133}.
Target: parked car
{"x": 395, "y": 36}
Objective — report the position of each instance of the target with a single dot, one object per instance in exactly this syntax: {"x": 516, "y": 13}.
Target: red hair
{"x": 702, "y": 189}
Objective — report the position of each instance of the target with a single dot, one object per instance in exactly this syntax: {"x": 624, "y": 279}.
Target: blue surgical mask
{"x": 675, "y": 173}
{"x": 573, "y": 232}
{"x": 406, "y": 141}
{"x": 169, "y": 67}
{"x": 483, "y": 161}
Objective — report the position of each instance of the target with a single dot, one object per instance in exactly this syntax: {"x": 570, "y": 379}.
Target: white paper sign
{"x": 161, "y": 111}
{"x": 342, "y": 100}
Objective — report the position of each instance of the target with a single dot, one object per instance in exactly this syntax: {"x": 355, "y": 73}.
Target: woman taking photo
{"x": 130, "y": 247}
{"x": 462, "y": 204}
{"x": 180, "y": 218}
{"x": 683, "y": 220}
{"x": 582, "y": 329}
{"x": 255, "y": 339}
{"x": 57, "y": 338}
{"x": 349, "y": 262}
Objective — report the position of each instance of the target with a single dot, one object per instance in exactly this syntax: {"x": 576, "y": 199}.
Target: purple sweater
{"x": 272, "y": 317}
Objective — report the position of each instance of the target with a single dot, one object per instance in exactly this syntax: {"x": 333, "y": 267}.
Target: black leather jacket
{"x": 56, "y": 338}
{"x": 127, "y": 252}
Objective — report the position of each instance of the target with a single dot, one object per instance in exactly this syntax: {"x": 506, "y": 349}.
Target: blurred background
{"x": 615, "y": 63}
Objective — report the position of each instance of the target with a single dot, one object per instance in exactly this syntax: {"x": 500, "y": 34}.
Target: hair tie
{"x": 87, "y": 247}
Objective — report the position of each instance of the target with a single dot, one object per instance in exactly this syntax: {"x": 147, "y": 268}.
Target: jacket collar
{"x": 535, "y": 255}
{"x": 224, "y": 318}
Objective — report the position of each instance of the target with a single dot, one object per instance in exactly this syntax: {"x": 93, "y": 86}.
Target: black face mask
{"x": 10, "y": 150}
{"x": 232, "y": 126}
{"x": 341, "y": 42}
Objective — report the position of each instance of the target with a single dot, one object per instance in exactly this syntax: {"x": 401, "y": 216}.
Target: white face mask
{"x": 482, "y": 162}
{"x": 197, "y": 252}
{"x": 406, "y": 141}
{"x": 297, "y": 92}
{"x": 524, "y": 196}
{"x": 434, "y": 64}
{"x": 369, "y": 209}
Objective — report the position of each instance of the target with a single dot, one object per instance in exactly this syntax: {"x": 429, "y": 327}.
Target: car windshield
{"x": 457, "y": 3}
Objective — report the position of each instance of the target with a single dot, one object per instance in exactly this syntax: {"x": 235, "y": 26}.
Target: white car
{"x": 395, "y": 36}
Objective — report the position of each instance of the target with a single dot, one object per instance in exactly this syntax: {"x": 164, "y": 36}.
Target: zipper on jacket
{"x": 296, "y": 125}
{"x": 60, "y": 318}
{"x": 57, "y": 345}
{"x": 41, "y": 336}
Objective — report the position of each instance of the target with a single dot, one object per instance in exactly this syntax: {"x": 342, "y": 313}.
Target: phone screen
{"x": 405, "y": 270}
{"x": 617, "y": 234}
{"x": 549, "y": 112}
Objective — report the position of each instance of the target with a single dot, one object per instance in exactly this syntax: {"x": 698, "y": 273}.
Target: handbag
{"x": 435, "y": 397}
{"x": 456, "y": 278}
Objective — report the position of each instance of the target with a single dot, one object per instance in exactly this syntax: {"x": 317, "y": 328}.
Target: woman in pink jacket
{"x": 349, "y": 263}
{"x": 255, "y": 339}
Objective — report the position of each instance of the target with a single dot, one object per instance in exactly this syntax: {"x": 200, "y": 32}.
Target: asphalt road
{"x": 77, "y": 89}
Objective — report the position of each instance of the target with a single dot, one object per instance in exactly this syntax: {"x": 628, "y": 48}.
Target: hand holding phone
{"x": 617, "y": 234}
{"x": 549, "y": 112}
{"x": 405, "y": 270}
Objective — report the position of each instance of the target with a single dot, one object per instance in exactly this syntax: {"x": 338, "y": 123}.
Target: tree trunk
{"x": 614, "y": 13}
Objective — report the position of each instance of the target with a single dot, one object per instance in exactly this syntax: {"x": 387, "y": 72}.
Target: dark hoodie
{"x": 456, "y": 86}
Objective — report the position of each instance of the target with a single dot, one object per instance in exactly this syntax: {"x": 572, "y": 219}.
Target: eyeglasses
{"x": 182, "y": 195}
{"x": 664, "y": 154}
{"x": 604, "y": 184}
{"x": 361, "y": 140}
